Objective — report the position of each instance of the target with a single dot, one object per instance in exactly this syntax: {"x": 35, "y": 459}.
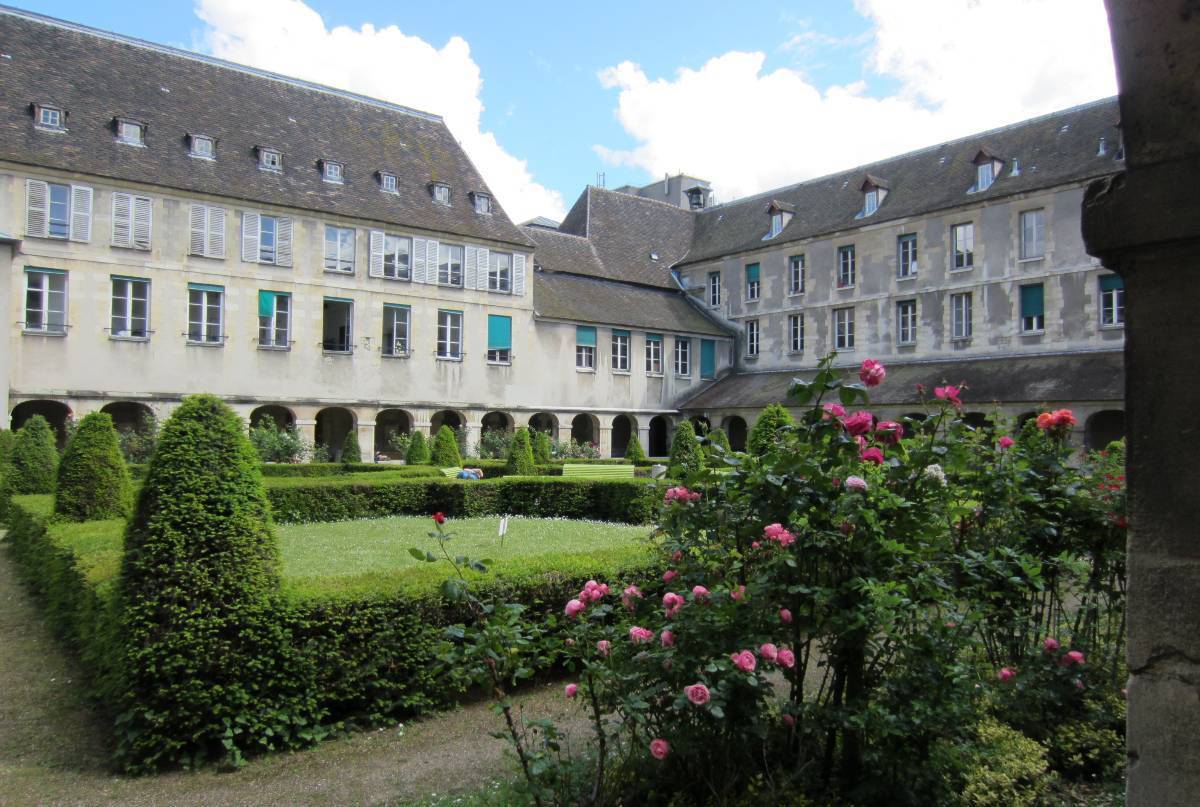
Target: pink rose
{"x": 676, "y": 556}
{"x": 1006, "y": 674}
{"x": 603, "y": 646}
{"x": 1079, "y": 685}
{"x": 768, "y": 651}
{"x": 630, "y": 596}
{"x": 859, "y": 423}
{"x": 571, "y": 689}
{"x": 786, "y": 539}
{"x": 789, "y": 721}
{"x": 573, "y": 609}
{"x": 1064, "y": 418}
{"x": 889, "y": 431}
{"x": 1051, "y": 644}
{"x": 755, "y": 545}
{"x": 672, "y": 602}
{"x": 660, "y": 748}
{"x": 1073, "y": 657}
{"x": 771, "y": 531}
{"x": 786, "y": 658}
{"x": 856, "y": 483}
{"x": 667, "y": 639}
{"x": 1006, "y": 443}
{"x": 640, "y": 635}
{"x": 745, "y": 661}
{"x": 700, "y": 592}
{"x": 872, "y": 373}
{"x": 948, "y": 393}
{"x": 697, "y": 694}
{"x": 737, "y": 593}
{"x": 871, "y": 455}
{"x": 669, "y": 575}
{"x": 833, "y": 410}
{"x": 785, "y": 616}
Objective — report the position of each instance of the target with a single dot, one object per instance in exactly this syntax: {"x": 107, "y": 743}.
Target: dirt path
{"x": 51, "y": 751}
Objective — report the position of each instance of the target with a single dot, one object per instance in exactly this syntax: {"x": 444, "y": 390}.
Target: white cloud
{"x": 961, "y": 66}
{"x": 286, "y": 36}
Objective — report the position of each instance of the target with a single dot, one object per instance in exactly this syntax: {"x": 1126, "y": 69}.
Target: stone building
{"x": 179, "y": 224}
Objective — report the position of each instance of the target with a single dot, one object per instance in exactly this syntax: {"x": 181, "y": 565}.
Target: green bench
{"x": 451, "y": 473}
{"x": 580, "y": 471}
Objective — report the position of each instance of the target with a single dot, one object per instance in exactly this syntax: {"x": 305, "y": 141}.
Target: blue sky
{"x": 546, "y": 104}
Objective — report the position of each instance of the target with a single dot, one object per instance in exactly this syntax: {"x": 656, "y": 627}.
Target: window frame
{"x": 797, "y": 269}
{"x": 338, "y": 258}
{"x": 387, "y": 348}
{"x": 1039, "y": 234}
{"x": 274, "y": 256}
{"x": 906, "y": 322}
{"x": 990, "y": 168}
{"x": 714, "y": 289}
{"x": 333, "y": 172}
{"x": 386, "y": 178}
{"x": 46, "y": 296}
{"x": 653, "y": 353}
{"x": 449, "y": 325}
{"x": 39, "y": 119}
{"x": 907, "y": 261}
{"x": 500, "y": 281}
{"x": 847, "y": 268}
{"x": 795, "y": 332}
{"x": 195, "y": 140}
{"x": 585, "y": 358}
{"x": 620, "y": 347}
{"x": 449, "y": 248}
{"x": 962, "y": 315}
{"x": 440, "y": 192}
{"x": 968, "y": 254}
{"x": 395, "y": 254}
{"x": 753, "y": 287}
{"x": 843, "y": 328}
{"x": 270, "y": 160}
{"x": 273, "y": 326}
{"x": 683, "y": 357}
{"x": 484, "y": 201}
{"x": 205, "y": 323}
{"x": 870, "y": 202}
{"x": 753, "y": 333}
{"x": 128, "y": 300}
{"x": 65, "y": 204}
{"x": 1112, "y": 311}
{"x": 349, "y": 341}
{"x": 1037, "y": 321}
{"x": 125, "y": 126}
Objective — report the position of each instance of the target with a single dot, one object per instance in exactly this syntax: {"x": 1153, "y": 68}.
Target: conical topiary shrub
{"x": 633, "y": 450}
{"x": 686, "y": 454}
{"x": 445, "y": 449}
{"x": 350, "y": 450}
{"x": 34, "y": 458}
{"x": 418, "y": 450}
{"x": 543, "y": 449}
{"x": 717, "y": 437}
{"x": 93, "y": 482}
{"x": 520, "y": 455}
{"x": 768, "y": 429}
{"x": 208, "y": 671}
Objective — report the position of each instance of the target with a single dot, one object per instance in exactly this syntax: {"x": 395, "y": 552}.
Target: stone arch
{"x": 283, "y": 417}
{"x": 977, "y": 420}
{"x": 736, "y": 431}
{"x": 56, "y": 413}
{"x": 660, "y": 435}
{"x": 1023, "y": 417}
{"x": 909, "y": 419}
{"x": 127, "y": 416}
{"x": 585, "y": 428}
{"x": 389, "y": 422}
{"x": 446, "y": 417}
{"x": 701, "y": 424}
{"x": 1104, "y": 427}
{"x": 496, "y": 422}
{"x": 333, "y": 424}
{"x": 624, "y": 429}
{"x": 544, "y": 422}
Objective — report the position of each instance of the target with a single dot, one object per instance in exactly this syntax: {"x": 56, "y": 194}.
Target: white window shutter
{"x": 198, "y": 225}
{"x": 37, "y": 203}
{"x": 483, "y": 257}
{"x": 470, "y": 258}
{"x": 250, "y": 230}
{"x": 518, "y": 278}
{"x": 283, "y": 239}
{"x": 216, "y": 232}
{"x": 143, "y": 213}
{"x": 418, "y": 260}
{"x": 122, "y": 220}
{"x": 431, "y": 261}
{"x": 81, "y": 213}
{"x": 375, "y": 262}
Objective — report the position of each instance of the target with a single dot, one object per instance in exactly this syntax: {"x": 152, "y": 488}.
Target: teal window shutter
{"x": 585, "y": 335}
{"x": 654, "y": 337}
{"x": 752, "y": 273}
{"x": 499, "y": 332}
{"x": 1111, "y": 282}
{"x": 204, "y": 287}
{"x": 708, "y": 358}
{"x": 266, "y": 303}
{"x": 1032, "y": 301}
{"x": 618, "y": 332}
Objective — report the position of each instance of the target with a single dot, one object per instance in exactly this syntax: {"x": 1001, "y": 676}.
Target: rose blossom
{"x": 1006, "y": 443}
{"x": 871, "y": 455}
{"x": 1064, "y": 418}
{"x": 833, "y": 410}
{"x": 871, "y": 373}
{"x": 659, "y": 748}
{"x": 771, "y": 531}
{"x": 1045, "y": 421}
{"x": 677, "y": 556}
{"x": 744, "y": 661}
{"x": 889, "y": 431}
{"x": 439, "y": 517}
{"x": 1006, "y": 674}
{"x": 571, "y": 689}
{"x": 948, "y": 393}
{"x": 697, "y": 694}
{"x": 604, "y": 646}
{"x": 667, "y": 639}
{"x": 631, "y": 594}
{"x": 1051, "y": 644}
{"x": 737, "y": 593}
{"x": 768, "y": 651}
{"x": 1073, "y": 657}
{"x": 859, "y": 423}
{"x": 639, "y": 635}
{"x": 785, "y": 616}
{"x": 669, "y": 575}
{"x": 672, "y": 602}
{"x": 700, "y": 592}
{"x": 755, "y": 545}
{"x": 789, "y": 721}
{"x": 786, "y": 658}
{"x": 856, "y": 483}
{"x": 574, "y": 607}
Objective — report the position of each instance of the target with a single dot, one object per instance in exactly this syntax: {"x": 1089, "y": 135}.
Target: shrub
{"x": 687, "y": 457}
{"x": 8, "y": 442}
{"x": 351, "y": 453}
{"x": 321, "y": 454}
{"x": 543, "y": 449}
{"x": 520, "y": 455}
{"x": 768, "y": 429}
{"x": 137, "y": 444}
{"x": 398, "y": 442}
{"x": 495, "y": 444}
{"x": 717, "y": 437}
{"x": 1003, "y": 768}
{"x": 445, "y": 449}
{"x": 93, "y": 483}
{"x": 34, "y": 458}
{"x": 418, "y": 450}
{"x": 208, "y": 671}
{"x": 274, "y": 444}
{"x": 633, "y": 450}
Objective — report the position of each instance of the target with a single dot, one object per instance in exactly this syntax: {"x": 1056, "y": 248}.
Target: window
{"x": 130, "y": 308}
{"x": 267, "y": 239}
{"x": 449, "y": 335}
{"x": 708, "y": 359}
{"x": 962, "y": 241}
{"x": 207, "y": 231}
{"x": 339, "y": 249}
{"x": 483, "y": 204}
{"x": 752, "y": 281}
{"x": 387, "y": 182}
{"x": 1112, "y": 301}
{"x": 654, "y": 354}
{"x": 585, "y": 347}
{"x": 205, "y": 314}
{"x": 130, "y": 133}
{"x": 58, "y": 211}
{"x": 500, "y": 272}
{"x": 796, "y": 274}
{"x": 203, "y": 146}
{"x": 683, "y": 357}
{"x": 846, "y": 268}
{"x": 270, "y": 160}
{"x": 961, "y": 325}
{"x": 450, "y": 265}
{"x": 751, "y": 338}
{"x": 843, "y": 328}
{"x": 795, "y": 327}
{"x": 499, "y": 339}
{"x": 776, "y": 225}
{"x": 620, "y": 351}
{"x": 49, "y": 117}
{"x": 60, "y": 222}
{"x": 870, "y": 201}
{"x": 1033, "y": 308}
{"x": 45, "y": 301}
{"x": 131, "y": 221}
{"x": 337, "y": 325}
{"x": 441, "y": 193}
{"x": 1032, "y": 229}
{"x": 906, "y": 246}
{"x": 331, "y": 172}
{"x": 397, "y": 257}
{"x": 985, "y": 174}
{"x": 714, "y": 289}
{"x": 906, "y": 322}
{"x": 274, "y": 319}
{"x": 396, "y": 323}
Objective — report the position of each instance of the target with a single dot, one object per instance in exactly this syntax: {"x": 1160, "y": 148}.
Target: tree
{"x": 93, "y": 482}
{"x": 202, "y": 646}
{"x": 350, "y": 450}
{"x": 445, "y": 449}
{"x": 543, "y": 448}
{"x": 768, "y": 429}
{"x": 34, "y": 458}
{"x": 274, "y": 444}
{"x": 633, "y": 450}
{"x": 137, "y": 444}
{"x": 520, "y": 455}
{"x": 418, "y": 450}
{"x": 686, "y": 454}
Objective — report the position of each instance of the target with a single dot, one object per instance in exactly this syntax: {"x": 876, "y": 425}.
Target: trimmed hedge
{"x": 418, "y": 450}
{"x": 313, "y": 469}
{"x": 542, "y": 447}
{"x": 34, "y": 458}
{"x": 520, "y": 454}
{"x": 768, "y": 428}
{"x": 92, "y": 480}
{"x": 351, "y": 453}
{"x": 687, "y": 456}
{"x": 445, "y": 453}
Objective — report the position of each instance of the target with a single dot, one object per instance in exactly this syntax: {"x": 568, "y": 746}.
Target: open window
{"x": 337, "y": 324}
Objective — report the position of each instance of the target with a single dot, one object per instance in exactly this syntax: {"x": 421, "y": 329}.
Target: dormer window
{"x": 387, "y": 182}
{"x": 483, "y": 204}
{"x": 131, "y": 133}
{"x": 874, "y": 191}
{"x": 780, "y": 214}
{"x": 331, "y": 171}
{"x": 440, "y": 192}
{"x": 870, "y": 201}
{"x": 695, "y": 197}
{"x": 987, "y": 168}
{"x": 203, "y": 146}
{"x": 49, "y": 117}
{"x": 270, "y": 159}
{"x": 983, "y": 176}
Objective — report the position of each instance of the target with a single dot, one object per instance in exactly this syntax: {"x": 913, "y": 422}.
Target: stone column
{"x": 366, "y": 440}
{"x": 308, "y": 431}
{"x": 605, "y": 441}
{"x": 643, "y": 437}
{"x": 1145, "y": 225}
{"x": 12, "y": 332}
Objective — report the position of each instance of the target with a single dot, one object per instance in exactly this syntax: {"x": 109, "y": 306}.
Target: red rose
{"x": 440, "y": 518}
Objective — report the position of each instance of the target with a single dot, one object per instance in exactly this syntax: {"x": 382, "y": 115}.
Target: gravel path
{"x": 52, "y": 753}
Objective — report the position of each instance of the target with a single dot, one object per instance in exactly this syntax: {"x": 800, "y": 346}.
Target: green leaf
{"x": 417, "y": 553}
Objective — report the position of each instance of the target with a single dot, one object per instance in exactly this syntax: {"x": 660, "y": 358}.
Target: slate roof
{"x": 1051, "y": 150}
{"x": 1033, "y": 379}
{"x": 95, "y": 76}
